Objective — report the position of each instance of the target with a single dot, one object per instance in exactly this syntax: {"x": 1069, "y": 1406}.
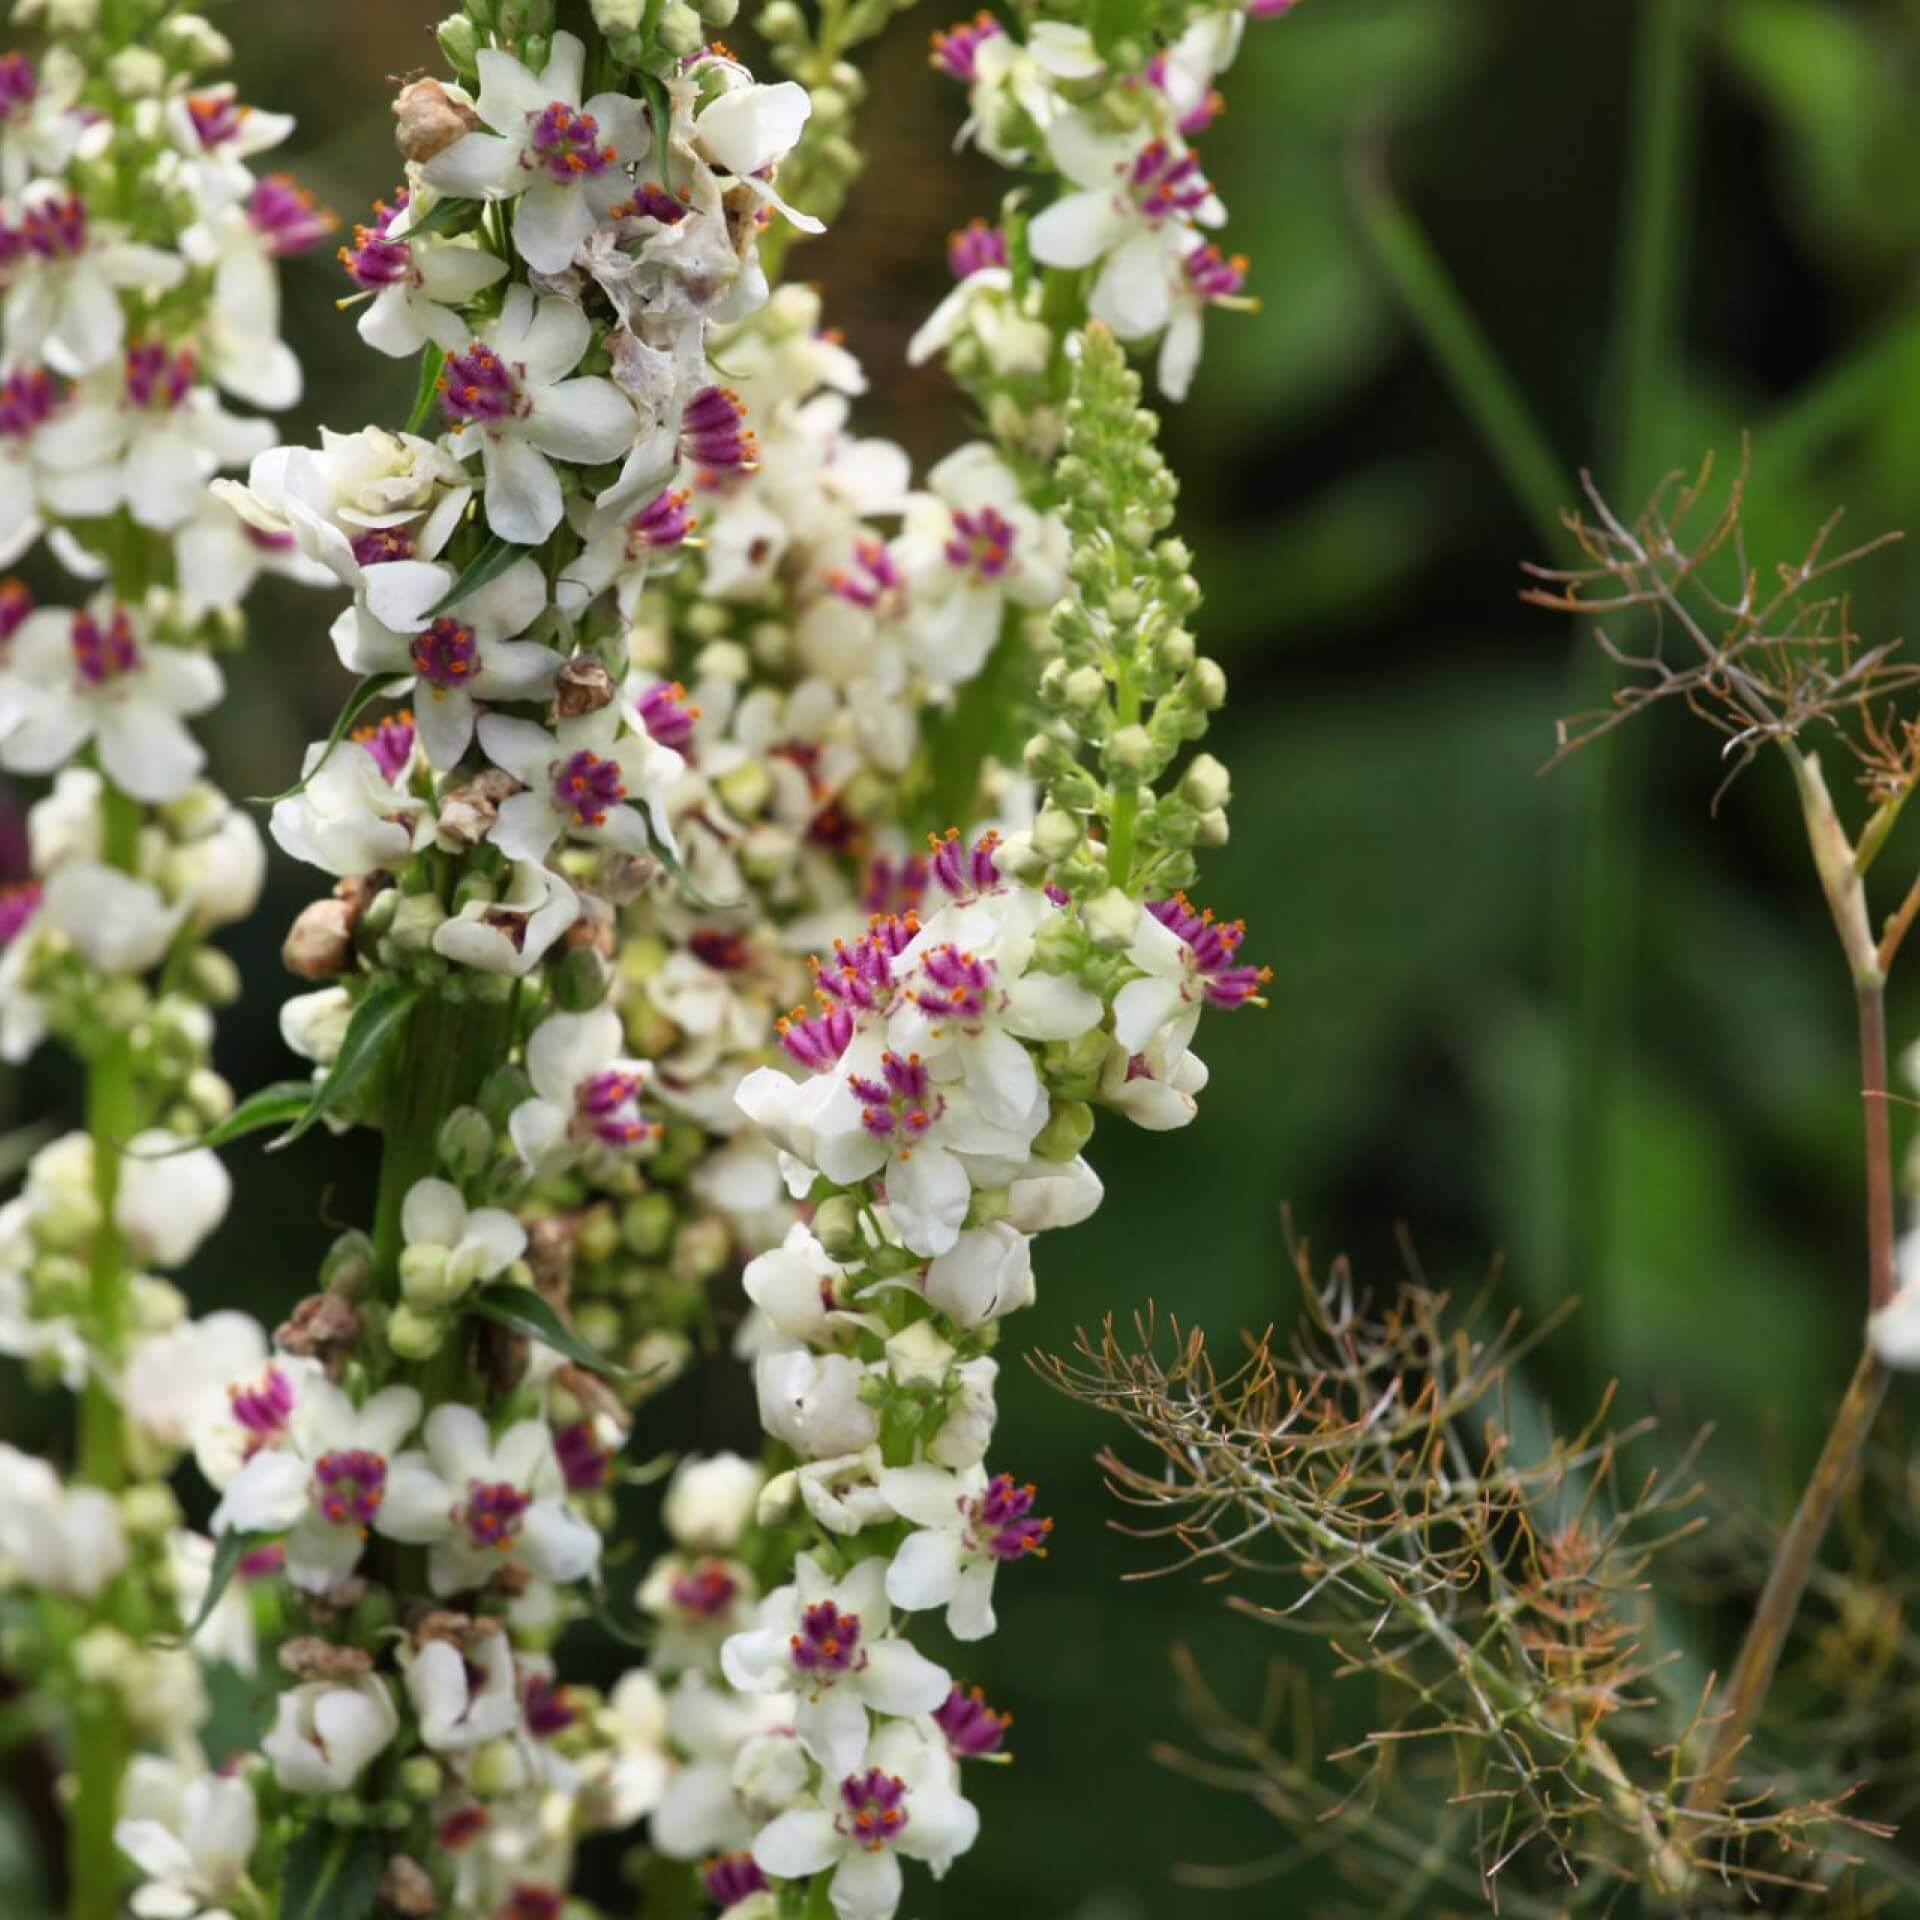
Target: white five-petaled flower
{"x": 511, "y": 935}
{"x": 178, "y": 436}
{"x": 325, "y": 1483}
{"x": 579, "y": 779}
{"x": 194, "y": 1861}
{"x": 464, "y": 1696}
{"x": 217, "y": 133}
{"x": 968, "y": 549}
{"x": 478, "y": 1505}
{"x": 355, "y": 812}
{"x": 508, "y": 398}
{"x": 449, "y": 1247}
{"x": 417, "y": 284}
{"x": 585, "y": 1092}
{"x": 827, "y": 1643}
{"x": 900, "y": 1800}
{"x": 967, "y": 1525}
{"x": 799, "y": 1290}
{"x": 96, "y": 675}
{"x": 566, "y": 163}
{"x": 1139, "y": 199}
{"x": 470, "y": 652}
{"x": 326, "y": 1733}
{"x": 63, "y": 298}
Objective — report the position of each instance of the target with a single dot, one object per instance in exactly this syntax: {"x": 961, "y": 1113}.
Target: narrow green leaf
{"x": 431, "y": 364}
{"x": 444, "y": 212}
{"x": 677, "y": 873}
{"x": 376, "y": 686}
{"x": 653, "y": 90}
{"x": 520, "y": 1310}
{"x": 489, "y": 564}
{"x": 331, "y": 1873}
{"x": 375, "y": 1026}
{"x": 601, "y": 1609}
{"x": 272, "y": 1106}
{"x": 229, "y": 1549}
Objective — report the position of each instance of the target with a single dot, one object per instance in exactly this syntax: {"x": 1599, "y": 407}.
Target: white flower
{"x": 843, "y": 1494}
{"x": 218, "y": 133}
{"x": 471, "y": 652}
{"x": 900, "y": 1801}
{"x": 218, "y": 556}
{"x": 59, "y": 456}
{"x": 115, "y": 922}
{"x": 464, "y": 1697}
{"x": 512, "y": 934}
{"x": 577, "y": 778}
{"x": 313, "y": 1025}
{"x": 65, "y": 1539}
{"x": 192, "y": 1865}
{"x": 967, "y": 1526}
{"x": 827, "y": 1642}
{"x": 968, "y": 548}
{"x": 218, "y": 873}
{"x": 417, "y": 284}
{"x": 585, "y": 1091}
{"x": 174, "y": 1381}
{"x": 228, "y": 1634}
{"x": 795, "y": 1285}
{"x": 1895, "y": 1329}
{"x": 698, "y": 1604}
{"x": 239, "y": 329}
{"x": 95, "y": 675}
{"x": 1139, "y": 199}
{"x": 254, "y": 1412}
{"x": 325, "y": 1733}
{"x": 742, "y": 1763}
{"x": 566, "y": 166}
{"x": 178, "y": 436}
{"x": 967, "y": 1431}
{"x": 986, "y": 1274}
{"x": 169, "y": 1201}
{"x": 748, "y": 127}
{"x": 1011, "y": 85}
{"x": 324, "y": 1485}
{"x": 41, "y": 129}
{"x": 63, "y": 301}
{"x": 448, "y": 1249}
{"x": 354, "y": 814}
{"x": 710, "y": 1501}
{"x": 509, "y": 399}
{"x": 1049, "y": 1193}
{"x": 479, "y": 1506}
{"x": 631, "y": 1773}
{"x": 1155, "y": 1089}
{"x": 812, "y": 1403}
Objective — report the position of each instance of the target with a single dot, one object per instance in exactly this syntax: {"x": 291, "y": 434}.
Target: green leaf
{"x": 376, "y": 686}
{"x": 229, "y": 1549}
{"x": 331, "y": 1873}
{"x": 489, "y": 564}
{"x": 520, "y": 1310}
{"x": 431, "y": 364}
{"x": 444, "y": 212}
{"x": 653, "y": 90}
{"x": 272, "y": 1106}
{"x": 375, "y": 1026}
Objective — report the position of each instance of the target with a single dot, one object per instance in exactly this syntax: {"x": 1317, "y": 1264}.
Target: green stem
{"x": 1485, "y": 391}
{"x": 1126, "y": 799}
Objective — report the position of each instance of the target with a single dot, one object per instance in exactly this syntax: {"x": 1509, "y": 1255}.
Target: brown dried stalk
{"x": 1497, "y": 1605}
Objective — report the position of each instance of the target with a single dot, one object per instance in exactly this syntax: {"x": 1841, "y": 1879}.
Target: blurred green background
{"x": 1576, "y": 1020}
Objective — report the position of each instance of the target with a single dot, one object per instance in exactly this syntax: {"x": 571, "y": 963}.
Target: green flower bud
{"x": 466, "y": 1143}
{"x": 212, "y": 977}
{"x": 1073, "y": 1067}
{"x": 420, "y": 1778}
{"x": 598, "y": 1236}
{"x": 377, "y": 915}
{"x": 646, "y": 1223}
{"x": 475, "y": 889}
{"x": 460, "y": 43}
{"x": 1056, "y": 833}
{"x": 580, "y": 981}
{"x": 210, "y": 1096}
{"x": 1084, "y": 688}
{"x": 680, "y": 30}
{"x": 701, "y": 1248}
{"x": 598, "y": 1324}
{"x": 429, "y": 1281}
{"x": 782, "y": 21}
{"x": 535, "y": 51}
{"x": 503, "y": 1090}
{"x": 1069, "y": 1127}
{"x": 1130, "y": 750}
{"x": 1111, "y": 918}
{"x": 417, "y": 917}
{"x": 347, "y": 1265}
{"x": 1210, "y": 830}
{"x": 1206, "y": 783}
{"x": 1209, "y": 684}
{"x": 619, "y": 16}
{"x": 719, "y": 13}
{"x": 193, "y": 42}
{"x": 745, "y": 789}
{"x": 988, "y": 1205}
{"x": 836, "y": 1225}
{"x": 779, "y": 1500}
{"x": 415, "y": 1335}
{"x": 149, "y": 1512}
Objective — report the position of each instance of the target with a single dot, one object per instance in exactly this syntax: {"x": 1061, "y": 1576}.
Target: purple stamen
{"x": 960, "y": 983}
{"x": 263, "y": 1408}
{"x": 975, "y": 246}
{"x": 662, "y": 523}
{"x": 665, "y": 713}
{"x": 19, "y": 902}
{"x": 494, "y": 1512}
{"x": 287, "y": 216}
{"x": 446, "y": 655}
{"x": 17, "y": 84}
{"x": 585, "y": 786}
{"x": 708, "y": 1591}
{"x": 714, "y": 435}
{"x": 897, "y": 1105}
{"x": 478, "y": 386}
{"x": 54, "y": 227}
{"x": 390, "y": 741}
{"x": 547, "y": 1709}
{"x": 651, "y": 201}
{"x": 29, "y": 399}
{"x": 873, "y": 581}
{"x": 971, "y": 1726}
{"x": 1215, "y": 945}
{"x": 263, "y": 1563}
{"x": 962, "y": 870}
{"x": 816, "y": 1042}
{"x": 567, "y": 143}
{"x": 378, "y": 545}
{"x": 584, "y": 1462}
{"x": 828, "y": 1643}
{"x": 157, "y": 381}
{"x": 1164, "y": 183}
{"x": 1213, "y": 275}
{"x": 349, "y": 1486}
{"x": 876, "y": 1808}
{"x": 894, "y": 886}
{"x": 982, "y": 544}
{"x": 956, "y": 48}
{"x": 731, "y": 1878}
{"x": 1002, "y": 1521}
{"x": 607, "y": 1107}
{"x": 217, "y": 118}
{"x": 102, "y": 654}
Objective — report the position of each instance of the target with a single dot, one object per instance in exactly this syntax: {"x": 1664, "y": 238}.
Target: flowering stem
{"x": 1126, "y": 799}
{"x": 1793, "y": 1561}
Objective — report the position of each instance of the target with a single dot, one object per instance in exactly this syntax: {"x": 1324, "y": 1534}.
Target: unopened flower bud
{"x": 430, "y": 120}
{"x": 149, "y": 1511}
{"x": 212, "y": 977}
{"x": 137, "y": 73}
{"x": 1211, "y": 829}
{"x": 504, "y": 1089}
{"x": 779, "y": 1500}
{"x": 1174, "y": 652}
{"x": 701, "y": 1248}
{"x": 466, "y": 1143}
{"x": 836, "y": 1225}
{"x": 1085, "y": 687}
{"x": 417, "y": 918}
{"x": 781, "y": 21}
{"x": 1056, "y": 833}
{"x": 619, "y": 16}
{"x": 1111, "y": 918}
{"x": 192, "y": 42}
{"x": 460, "y": 42}
{"x": 1069, "y": 1127}
{"x": 497, "y": 1770}
{"x": 413, "y": 1334}
{"x": 745, "y": 789}
{"x": 1208, "y": 682}
{"x": 348, "y": 1265}
{"x": 646, "y": 1224}
{"x": 1130, "y": 750}
{"x": 210, "y": 1096}
{"x": 679, "y": 28}
{"x": 719, "y": 13}
{"x": 580, "y": 981}
{"x": 917, "y": 1357}
{"x": 1206, "y": 783}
